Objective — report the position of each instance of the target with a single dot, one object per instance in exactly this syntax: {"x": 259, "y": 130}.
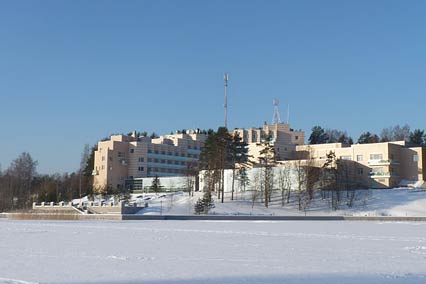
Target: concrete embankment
{"x": 50, "y": 216}
{"x": 59, "y": 216}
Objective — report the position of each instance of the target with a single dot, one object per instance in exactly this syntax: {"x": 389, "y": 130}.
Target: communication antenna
{"x": 276, "y": 118}
{"x": 288, "y": 113}
{"x": 225, "y": 105}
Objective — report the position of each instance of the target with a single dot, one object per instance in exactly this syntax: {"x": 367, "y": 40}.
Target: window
{"x": 155, "y": 160}
{"x": 103, "y": 158}
{"x": 149, "y": 151}
{"x": 149, "y": 160}
{"x": 103, "y": 167}
{"x": 110, "y": 158}
{"x": 141, "y": 159}
{"x": 359, "y": 158}
{"x": 296, "y": 137}
{"x": 415, "y": 158}
{"x": 346, "y": 158}
{"x": 360, "y": 171}
{"x": 120, "y": 154}
{"x": 156, "y": 151}
{"x": 132, "y": 150}
{"x": 377, "y": 170}
{"x": 376, "y": 156}
{"x": 140, "y": 169}
{"x": 163, "y": 152}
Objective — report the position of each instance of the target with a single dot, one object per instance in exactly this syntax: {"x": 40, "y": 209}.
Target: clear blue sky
{"x": 72, "y": 72}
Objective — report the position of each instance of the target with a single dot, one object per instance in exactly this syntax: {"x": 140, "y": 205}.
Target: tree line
{"x": 320, "y": 135}
{"x": 21, "y": 184}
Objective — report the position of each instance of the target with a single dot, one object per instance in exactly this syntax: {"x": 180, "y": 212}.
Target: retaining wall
{"x": 52, "y": 216}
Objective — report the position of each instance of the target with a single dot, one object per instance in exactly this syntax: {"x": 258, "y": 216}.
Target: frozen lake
{"x": 212, "y": 252}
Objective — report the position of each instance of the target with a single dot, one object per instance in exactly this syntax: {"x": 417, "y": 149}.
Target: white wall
{"x": 251, "y": 174}
{"x": 172, "y": 183}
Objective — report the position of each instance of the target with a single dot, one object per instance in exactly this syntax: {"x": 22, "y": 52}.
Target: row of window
{"x": 161, "y": 170}
{"x": 171, "y": 154}
{"x": 360, "y": 158}
{"x": 169, "y": 162}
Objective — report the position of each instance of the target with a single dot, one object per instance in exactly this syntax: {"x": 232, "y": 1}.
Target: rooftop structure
{"x": 282, "y": 136}
{"x": 376, "y": 165}
{"x": 124, "y": 158}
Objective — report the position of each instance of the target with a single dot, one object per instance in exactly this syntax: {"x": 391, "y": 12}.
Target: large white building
{"x": 123, "y": 159}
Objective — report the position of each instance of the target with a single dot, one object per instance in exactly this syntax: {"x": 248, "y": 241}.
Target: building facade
{"x": 376, "y": 165}
{"x": 283, "y": 137}
{"x": 122, "y": 159}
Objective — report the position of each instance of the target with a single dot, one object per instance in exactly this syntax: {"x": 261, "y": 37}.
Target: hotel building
{"x": 375, "y": 165}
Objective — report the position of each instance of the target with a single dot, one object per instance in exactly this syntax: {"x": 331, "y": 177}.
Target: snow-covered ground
{"x": 388, "y": 202}
{"x": 212, "y": 252}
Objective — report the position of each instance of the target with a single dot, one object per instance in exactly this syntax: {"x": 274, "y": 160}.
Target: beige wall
{"x": 284, "y": 139}
{"x": 384, "y": 164}
{"x": 124, "y": 157}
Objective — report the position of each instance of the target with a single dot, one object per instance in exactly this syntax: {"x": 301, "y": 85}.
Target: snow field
{"x": 212, "y": 252}
{"x": 387, "y": 202}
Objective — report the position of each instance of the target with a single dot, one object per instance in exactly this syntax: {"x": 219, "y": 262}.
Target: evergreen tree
{"x": 238, "y": 156}
{"x": 318, "y": 135}
{"x": 418, "y": 137}
{"x": 155, "y": 185}
{"x": 267, "y": 159}
{"x": 367, "y": 137}
{"x": 204, "y": 204}
{"x": 215, "y": 157}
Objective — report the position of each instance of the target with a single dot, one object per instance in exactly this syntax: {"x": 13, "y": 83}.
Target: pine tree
{"x": 238, "y": 155}
{"x": 418, "y": 137}
{"x": 156, "y": 185}
{"x": 367, "y": 137}
{"x": 204, "y": 204}
{"x": 267, "y": 160}
{"x": 318, "y": 135}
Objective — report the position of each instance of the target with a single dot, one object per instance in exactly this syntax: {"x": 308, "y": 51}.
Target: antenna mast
{"x": 288, "y": 113}
{"x": 276, "y": 118}
{"x": 225, "y": 105}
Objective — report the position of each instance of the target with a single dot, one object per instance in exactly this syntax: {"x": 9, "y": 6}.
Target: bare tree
{"x": 190, "y": 177}
{"x": 255, "y": 192}
{"x": 21, "y": 173}
{"x": 83, "y": 164}
{"x": 285, "y": 182}
{"x": 301, "y": 183}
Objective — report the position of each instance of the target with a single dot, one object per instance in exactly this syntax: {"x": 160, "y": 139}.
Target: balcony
{"x": 382, "y": 175}
{"x": 382, "y": 162}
